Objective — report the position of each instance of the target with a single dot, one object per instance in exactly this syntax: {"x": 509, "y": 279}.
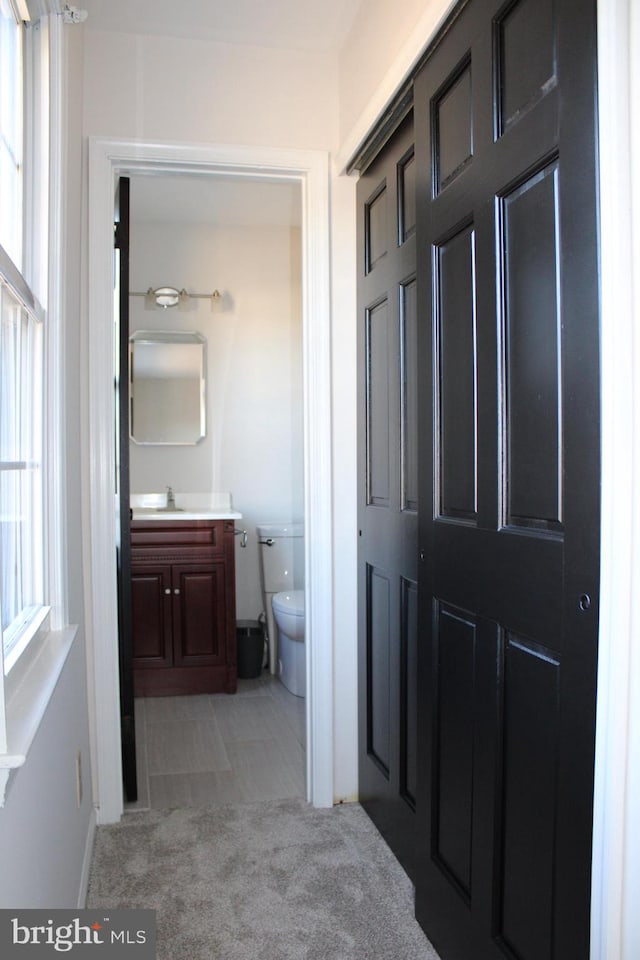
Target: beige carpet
{"x": 260, "y": 881}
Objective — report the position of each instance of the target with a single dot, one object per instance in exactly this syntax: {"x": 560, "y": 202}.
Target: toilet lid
{"x": 290, "y": 601}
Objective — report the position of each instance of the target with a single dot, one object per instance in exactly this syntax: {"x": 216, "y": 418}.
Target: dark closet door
{"x": 387, "y": 498}
{"x": 504, "y": 115}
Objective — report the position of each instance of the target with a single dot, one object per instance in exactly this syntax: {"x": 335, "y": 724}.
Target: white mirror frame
{"x": 109, "y": 159}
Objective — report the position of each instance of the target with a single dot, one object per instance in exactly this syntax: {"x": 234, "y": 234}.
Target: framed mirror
{"x": 167, "y": 387}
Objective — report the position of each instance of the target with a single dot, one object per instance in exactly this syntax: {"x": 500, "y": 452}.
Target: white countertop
{"x": 188, "y": 506}
{"x": 148, "y": 513}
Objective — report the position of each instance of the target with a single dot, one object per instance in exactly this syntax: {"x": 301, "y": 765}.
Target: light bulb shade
{"x": 166, "y": 297}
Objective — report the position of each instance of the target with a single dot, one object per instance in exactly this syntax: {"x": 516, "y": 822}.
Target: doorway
{"x": 108, "y": 159}
{"x": 233, "y": 246}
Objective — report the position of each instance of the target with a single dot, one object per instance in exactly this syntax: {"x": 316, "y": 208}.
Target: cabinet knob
{"x": 167, "y": 590}
{"x": 176, "y": 591}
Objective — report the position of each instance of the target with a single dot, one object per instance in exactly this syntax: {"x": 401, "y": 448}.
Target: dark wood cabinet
{"x": 183, "y": 607}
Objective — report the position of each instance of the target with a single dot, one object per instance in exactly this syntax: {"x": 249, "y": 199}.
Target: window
{"x": 23, "y": 540}
{"x": 21, "y": 462}
{"x": 11, "y": 132}
{"x": 36, "y": 637}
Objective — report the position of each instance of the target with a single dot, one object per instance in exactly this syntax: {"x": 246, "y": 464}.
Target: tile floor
{"x": 218, "y": 748}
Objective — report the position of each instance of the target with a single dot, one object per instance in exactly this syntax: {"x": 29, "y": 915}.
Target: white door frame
{"x": 107, "y": 160}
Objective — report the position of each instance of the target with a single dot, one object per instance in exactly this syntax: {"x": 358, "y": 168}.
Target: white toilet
{"x": 288, "y": 610}
{"x": 282, "y": 572}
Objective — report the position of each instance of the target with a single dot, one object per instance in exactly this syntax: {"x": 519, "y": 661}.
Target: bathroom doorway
{"x": 108, "y": 159}
{"x": 239, "y": 238}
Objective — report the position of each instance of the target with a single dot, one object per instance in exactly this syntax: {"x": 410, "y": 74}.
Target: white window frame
{"x": 23, "y": 284}
{"x": 25, "y": 690}
{"x": 22, "y": 377}
{"x": 13, "y": 145}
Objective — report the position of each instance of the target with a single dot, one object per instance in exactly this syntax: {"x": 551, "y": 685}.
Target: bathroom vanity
{"x": 183, "y": 604}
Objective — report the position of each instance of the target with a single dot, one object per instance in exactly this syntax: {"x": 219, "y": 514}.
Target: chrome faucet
{"x": 171, "y": 500}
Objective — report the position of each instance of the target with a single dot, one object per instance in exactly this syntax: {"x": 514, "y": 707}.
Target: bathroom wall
{"x": 254, "y": 441}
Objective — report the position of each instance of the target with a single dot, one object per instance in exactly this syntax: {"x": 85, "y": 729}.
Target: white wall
{"x": 375, "y": 40}
{"x": 254, "y": 445}
{"x": 385, "y": 41}
{"x": 157, "y": 88}
{"x": 43, "y": 833}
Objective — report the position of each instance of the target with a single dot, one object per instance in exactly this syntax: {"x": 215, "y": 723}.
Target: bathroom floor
{"x": 217, "y": 748}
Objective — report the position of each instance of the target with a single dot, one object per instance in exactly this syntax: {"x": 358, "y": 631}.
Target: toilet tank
{"x": 281, "y": 556}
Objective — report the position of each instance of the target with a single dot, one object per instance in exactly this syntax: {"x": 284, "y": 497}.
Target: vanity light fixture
{"x": 73, "y": 15}
{"x": 166, "y": 297}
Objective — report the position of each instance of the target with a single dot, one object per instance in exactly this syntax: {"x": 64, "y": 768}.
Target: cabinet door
{"x": 198, "y": 614}
{"x": 151, "y": 616}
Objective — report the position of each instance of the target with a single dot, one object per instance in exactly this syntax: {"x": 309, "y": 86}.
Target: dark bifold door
{"x": 504, "y": 114}
{"x": 387, "y": 497}
{"x": 123, "y": 528}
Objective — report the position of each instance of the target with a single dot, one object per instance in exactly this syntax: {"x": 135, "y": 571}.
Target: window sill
{"x": 38, "y": 623}
{"x": 29, "y": 689}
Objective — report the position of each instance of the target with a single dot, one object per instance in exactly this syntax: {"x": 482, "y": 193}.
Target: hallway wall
{"x": 170, "y": 89}
{"x": 384, "y": 42}
{"x": 44, "y": 836}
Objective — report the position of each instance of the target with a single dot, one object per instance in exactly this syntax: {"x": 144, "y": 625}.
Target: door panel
{"x": 379, "y": 351}
{"x": 508, "y": 480}
{"x": 531, "y": 337}
{"x": 409, "y": 395}
{"x": 408, "y": 690}
{"x": 379, "y": 720}
{"x": 530, "y": 720}
{"x": 456, "y": 639}
{"x": 387, "y": 493}
{"x": 456, "y": 375}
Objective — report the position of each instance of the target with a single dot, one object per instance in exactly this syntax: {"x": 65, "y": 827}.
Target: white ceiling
{"x": 215, "y": 200}
{"x": 294, "y": 24}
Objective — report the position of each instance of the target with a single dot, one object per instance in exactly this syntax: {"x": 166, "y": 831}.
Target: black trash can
{"x": 250, "y": 638}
